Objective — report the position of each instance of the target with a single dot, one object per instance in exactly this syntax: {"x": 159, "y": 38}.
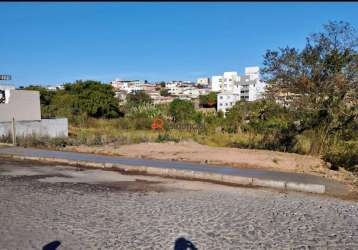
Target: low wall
{"x": 44, "y": 127}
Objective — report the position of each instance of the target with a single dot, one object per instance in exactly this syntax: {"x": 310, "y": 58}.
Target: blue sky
{"x": 51, "y": 43}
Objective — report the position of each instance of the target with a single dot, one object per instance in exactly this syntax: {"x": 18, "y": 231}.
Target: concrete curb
{"x": 185, "y": 174}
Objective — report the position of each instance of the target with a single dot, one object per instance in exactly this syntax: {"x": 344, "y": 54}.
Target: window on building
{"x": 2, "y": 96}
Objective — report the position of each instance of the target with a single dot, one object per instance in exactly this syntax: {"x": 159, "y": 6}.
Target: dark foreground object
{"x": 52, "y": 245}
{"x": 184, "y": 244}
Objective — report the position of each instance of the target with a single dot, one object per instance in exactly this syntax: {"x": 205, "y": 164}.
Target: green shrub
{"x": 58, "y": 142}
{"x": 32, "y": 141}
{"x": 166, "y": 137}
{"x": 6, "y": 138}
{"x": 344, "y": 154}
{"x": 181, "y": 110}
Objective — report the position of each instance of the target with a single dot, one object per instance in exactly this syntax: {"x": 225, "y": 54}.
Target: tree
{"x": 46, "y": 97}
{"x": 209, "y": 100}
{"x": 323, "y": 76}
{"x": 138, "y": 98}
{"x": 82, "y": 97}
{"x": 164, "y": 92}
{"x": 181, "y": 110}
{"x": 94, "y": 98}
{"x": 45, "y": 94}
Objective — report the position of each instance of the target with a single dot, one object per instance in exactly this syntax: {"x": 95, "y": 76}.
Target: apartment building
{"x": 216, "y": 83}
{"x": 226, "y": 82}
{"x": 230, "y": 81}
{"x": 232, "y": 86}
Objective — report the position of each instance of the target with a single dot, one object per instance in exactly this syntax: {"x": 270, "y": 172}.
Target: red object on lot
{"x": 157, "y": 123}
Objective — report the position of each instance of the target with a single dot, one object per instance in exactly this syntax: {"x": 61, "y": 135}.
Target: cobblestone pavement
{"x": 90, "y": 210}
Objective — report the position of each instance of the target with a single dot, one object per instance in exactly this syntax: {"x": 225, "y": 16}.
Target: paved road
{"x": 94, "y": 209}
{"x": 331, "y": 186}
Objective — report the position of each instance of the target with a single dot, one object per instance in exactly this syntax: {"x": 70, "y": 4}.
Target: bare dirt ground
{"x": 93, "y": 209}
{"x": 193, "y": 152}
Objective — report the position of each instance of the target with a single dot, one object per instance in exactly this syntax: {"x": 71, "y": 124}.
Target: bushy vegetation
{"x": 138, "y": 98}
{"x": 82, "y": 98}
{"x": 323, "y": 78}
{"x": 209, "y": 100}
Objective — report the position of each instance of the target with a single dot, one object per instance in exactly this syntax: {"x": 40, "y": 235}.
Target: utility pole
{"x": 13, "y": 132}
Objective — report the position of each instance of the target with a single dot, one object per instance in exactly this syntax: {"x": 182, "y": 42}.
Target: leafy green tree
{"x": 94, "y": 98}
{"x": 138, "y": 98}
{"x": 181, "y": 110}
{"x": 274, "y": 122}
{"x": 212, "y": 99}
{"x": 323, "y": 76}
{"x": 45, "y": 99}
{"x": 209, "y": 100}
{"x": 203, "y": 100}
{"x": 45, "y": 94}
{"x": 82, "y": 97}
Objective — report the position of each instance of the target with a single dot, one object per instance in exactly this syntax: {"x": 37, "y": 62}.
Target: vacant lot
{"x": 193, "y": 152}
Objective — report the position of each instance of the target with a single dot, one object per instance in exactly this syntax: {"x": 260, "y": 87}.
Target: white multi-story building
{"x": 224, "y": 83}
{"x": 216, "y": 82}
{"x": 230, "y": 80}
{"x": 234, "y": 87}
{"x": 251, "y": 89}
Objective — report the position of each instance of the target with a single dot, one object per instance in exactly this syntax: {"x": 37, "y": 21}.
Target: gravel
{"x": 110, "y": 215}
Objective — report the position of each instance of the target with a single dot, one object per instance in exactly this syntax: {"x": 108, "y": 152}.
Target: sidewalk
{"x": 223, "y": 174}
